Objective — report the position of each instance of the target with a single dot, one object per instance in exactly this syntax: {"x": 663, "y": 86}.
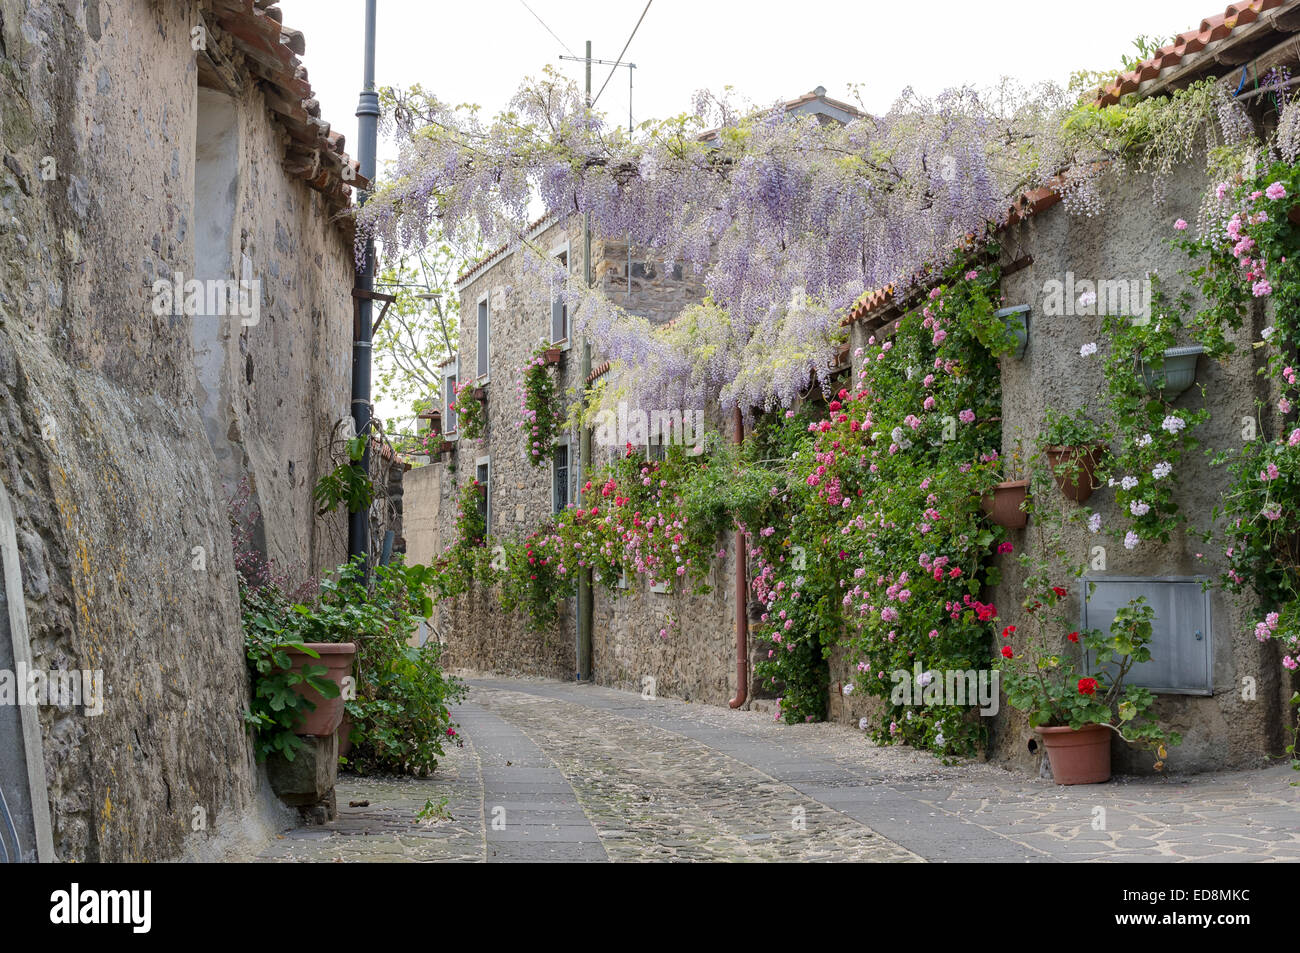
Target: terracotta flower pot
{"x": 337, "y": 657}
{"x": 345, "y": 735}
{"x": 1073, "y": 468}
{"x": 479, "y": 394}
{"x": 1078, "y": 757}
{"x": 553, "y": 355}
{"x": 1003, "y": 504}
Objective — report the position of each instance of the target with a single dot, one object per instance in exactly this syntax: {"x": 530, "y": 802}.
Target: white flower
{"x": 1162, "y": 470}
{"x": 1128, "y": 482}
{"x": 1144, "y": 440}
{"x": 1267, "y": 332}
{"x": 1173, "y": 424}
{"x": 1138, "y": 508}
{"x": 938, "y": 737}
{"x": 1088, "y": 350}
{"x": 1094, "y": 523}
{"x": 1130, "y": 540}
{"x": 924, "y": 679}
{"x": 862, "y": 724}
{"x": 848, "y": 689}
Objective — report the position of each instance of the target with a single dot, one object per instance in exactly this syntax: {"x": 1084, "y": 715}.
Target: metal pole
{"x": 367, "y": 135}
{"x": 585, "y": 606}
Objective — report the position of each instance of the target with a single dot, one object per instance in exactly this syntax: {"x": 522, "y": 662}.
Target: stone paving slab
{"x": 564, "y": 772}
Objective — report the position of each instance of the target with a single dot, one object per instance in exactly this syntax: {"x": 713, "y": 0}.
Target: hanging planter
{"x": 1078, "y": 756}
{"x": 1178, "y": 374}
{"x": 553, "y": 355}
{"x": 443, "y": 446}
{"x": 1017, "y": 321}
{"x": 479, "y": 394}
{"x": 1073, "y": 469}
{"x": 1003, "y": 504}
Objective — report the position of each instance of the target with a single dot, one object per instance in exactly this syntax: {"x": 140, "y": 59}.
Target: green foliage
{"x": 541, "y": 411}
{"x": 276, "y": 708}
{"x": 346, "y": 484}
{"x": 400, "y": 715}
{"x": 1152, "y": 436}
{"x": 1053, "y": 690}
{"x": 1253, "y": 258}
{"x": 471, "y": 413}
{"x": 1076, "y": 429}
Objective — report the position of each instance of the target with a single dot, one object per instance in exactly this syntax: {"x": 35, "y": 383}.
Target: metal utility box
{"x": 1182, "y": 657}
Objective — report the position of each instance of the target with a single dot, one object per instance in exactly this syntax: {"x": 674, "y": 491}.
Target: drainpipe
{"x": 742, "y": 593}
{"x": 367, "y": 135}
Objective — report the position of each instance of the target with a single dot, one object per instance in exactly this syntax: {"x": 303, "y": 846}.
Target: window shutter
{"x": 558, "y": 331}
{"x": 483, "y": 342}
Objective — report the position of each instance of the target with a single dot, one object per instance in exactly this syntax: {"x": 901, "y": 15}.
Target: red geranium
{"x": 1073, "y": 636}
{"x": 1007, "y": 632}
{"x": 1087, "y": 686}
{"x": 1060, "y": 593}
{"x": 1006, "y": 651}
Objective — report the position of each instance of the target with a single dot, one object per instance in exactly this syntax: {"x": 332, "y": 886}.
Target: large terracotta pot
{"x": 1078, "y": 757}
{"x": 1003, "y": 504}
{"x": 1073, "y": 467}
{"x": 345, "y": 735}
{"x": 337, "y": 657}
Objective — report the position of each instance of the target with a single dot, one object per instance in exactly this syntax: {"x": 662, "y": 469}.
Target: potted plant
{"x": 1005, "y": 502}
{"x": 553, "y": 355}
{"x": 1017, "y": 321}
{"x": 336, "y": 659}
{"x": 1074, "y": 445}
{"x": 1173, "y": 374}
{"x": 470, "y": 405}
{"x": 1075, "y": 709}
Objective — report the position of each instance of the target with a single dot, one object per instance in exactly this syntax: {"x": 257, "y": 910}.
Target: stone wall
{"x": 695, "y": 657}
{"x": 109, "y": 434}
{"x": 1131, "y": 239}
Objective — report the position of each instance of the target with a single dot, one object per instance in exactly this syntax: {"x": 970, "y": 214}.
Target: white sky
{"x": 478, "y": 51}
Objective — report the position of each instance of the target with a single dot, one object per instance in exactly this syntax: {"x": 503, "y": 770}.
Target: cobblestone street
{"x": 553, "y": 771}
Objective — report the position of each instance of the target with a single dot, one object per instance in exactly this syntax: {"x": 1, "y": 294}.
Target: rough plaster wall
{"x": 110, "y": 505}
{"x": 288, "y": 376}
{"x": 105, "y": 455}
{"x": 422, "y": 509}
{"x": 1126, "y": 242}
{"x": 1129, "y": 240}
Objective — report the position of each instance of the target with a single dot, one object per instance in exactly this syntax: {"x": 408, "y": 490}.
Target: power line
{"x": 620, "y": 55}
{"x": 547, "y": 28}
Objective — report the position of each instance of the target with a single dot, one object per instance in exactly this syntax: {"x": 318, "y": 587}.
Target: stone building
{"x": 1204, "y": 640}
{"x": 148, "y": 145}
{"x": 498, "y": 335}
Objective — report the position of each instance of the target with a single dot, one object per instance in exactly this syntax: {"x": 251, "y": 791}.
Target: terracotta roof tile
{"x": 267, "y": 52}
{"x": 1212, "y": 29}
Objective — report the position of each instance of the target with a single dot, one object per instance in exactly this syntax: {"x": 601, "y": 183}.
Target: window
{"x": 559, "y": 308}
{"x": 483, "y": 340}
{"x": 483, "y": 473}
{"x": 449, "y": 392}
{"x": 560, "y": 478}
